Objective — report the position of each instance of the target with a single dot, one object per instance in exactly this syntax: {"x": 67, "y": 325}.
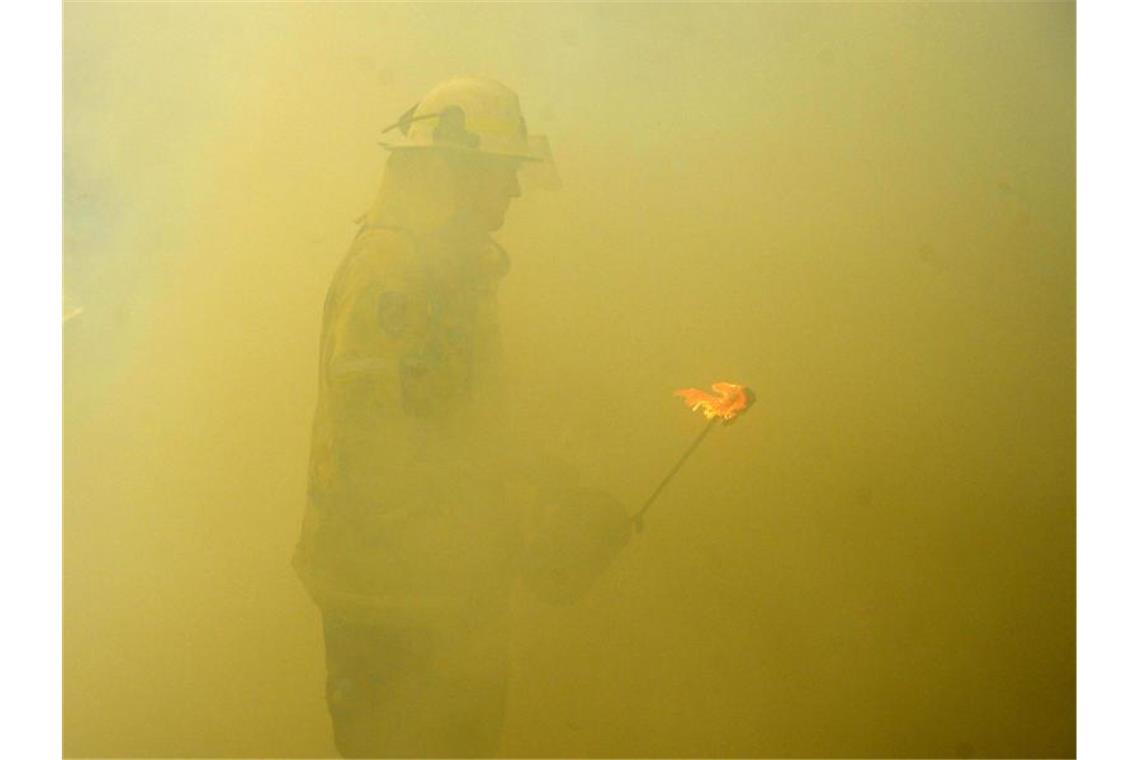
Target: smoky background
{"x": 866, "y": 212}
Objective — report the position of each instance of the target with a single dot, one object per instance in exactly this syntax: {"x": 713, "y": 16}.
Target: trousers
{"x": 415, "y": 688}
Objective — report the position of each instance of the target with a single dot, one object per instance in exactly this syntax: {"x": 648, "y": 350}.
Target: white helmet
{"x": 469, "y": 114}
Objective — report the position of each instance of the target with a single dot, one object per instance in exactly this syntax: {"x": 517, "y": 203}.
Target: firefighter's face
{"x": 486, "y": 185}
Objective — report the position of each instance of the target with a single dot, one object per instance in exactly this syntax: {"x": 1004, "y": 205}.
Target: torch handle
{"x": 640, "y": 514}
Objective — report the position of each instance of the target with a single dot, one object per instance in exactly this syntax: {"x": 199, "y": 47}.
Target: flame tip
{"x": 731, "y": 400}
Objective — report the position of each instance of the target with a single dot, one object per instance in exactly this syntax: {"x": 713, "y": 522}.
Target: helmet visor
{"x": 541, "y": 173}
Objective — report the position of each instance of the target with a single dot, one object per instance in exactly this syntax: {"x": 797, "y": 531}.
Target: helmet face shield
{"x": 541, "y": 173}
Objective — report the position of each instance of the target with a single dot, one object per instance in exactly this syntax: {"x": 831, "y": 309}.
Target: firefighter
{"x": 409, "y": 545}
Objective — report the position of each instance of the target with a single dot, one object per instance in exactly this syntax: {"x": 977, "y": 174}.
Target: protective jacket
{"x": 406, "y": 510}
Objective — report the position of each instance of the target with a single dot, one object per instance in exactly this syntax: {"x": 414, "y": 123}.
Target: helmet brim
{"x": 403, "y": 144}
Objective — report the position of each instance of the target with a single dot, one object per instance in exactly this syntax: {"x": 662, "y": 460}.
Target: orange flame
{"x": 731, "y": 400}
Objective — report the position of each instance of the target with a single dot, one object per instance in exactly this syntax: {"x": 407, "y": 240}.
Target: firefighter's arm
{"x": 378, "y": 330}
{"x": 573, "y": 542}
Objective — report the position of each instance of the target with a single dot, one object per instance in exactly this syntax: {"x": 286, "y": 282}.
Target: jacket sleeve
{"x": 375, "y": 337}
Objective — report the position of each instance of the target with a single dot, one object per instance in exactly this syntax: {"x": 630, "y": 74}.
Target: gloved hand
{"x": 574, "y": 544}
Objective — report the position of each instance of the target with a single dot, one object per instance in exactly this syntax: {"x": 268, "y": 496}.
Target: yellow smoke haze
{"x": 863, "y": 211}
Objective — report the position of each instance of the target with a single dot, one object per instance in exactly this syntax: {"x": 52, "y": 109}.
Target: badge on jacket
{"x": 393, "y": 312}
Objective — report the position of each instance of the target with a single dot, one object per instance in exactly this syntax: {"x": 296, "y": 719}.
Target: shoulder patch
{"x": 392, "y": 311}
